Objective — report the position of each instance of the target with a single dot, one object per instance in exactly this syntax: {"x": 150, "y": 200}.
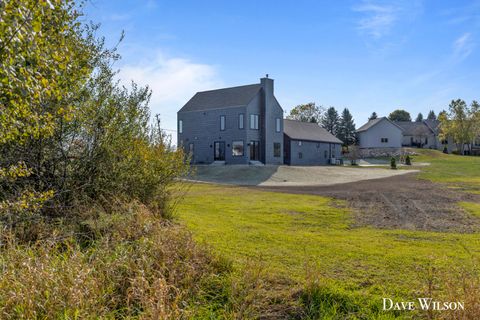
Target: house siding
{"x": 371, "y": 138}
{"x": 313, "y": 153}
{"x": 203, "y": 136}
{"x": 420, "y": 140}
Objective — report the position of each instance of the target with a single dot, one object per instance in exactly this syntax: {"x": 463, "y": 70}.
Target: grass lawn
{"x": 297, "y": 236}
{"x": 455, "y": 171}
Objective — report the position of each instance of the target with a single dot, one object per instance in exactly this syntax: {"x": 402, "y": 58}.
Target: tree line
{"x": 460, "y": 124}
{"x": 342, "y": 126}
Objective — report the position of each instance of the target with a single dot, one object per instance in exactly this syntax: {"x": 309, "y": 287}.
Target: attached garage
{"x": 308, "y": 144}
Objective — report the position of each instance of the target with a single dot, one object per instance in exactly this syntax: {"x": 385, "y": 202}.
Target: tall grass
{"x": 138, "y": 265}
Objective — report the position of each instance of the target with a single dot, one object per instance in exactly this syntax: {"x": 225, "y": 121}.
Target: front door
{"x": 255, "y": 150}
{"x": 219, "y": 151}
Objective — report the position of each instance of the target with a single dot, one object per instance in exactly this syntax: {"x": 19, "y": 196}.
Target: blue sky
{"x": 364, "y": 55}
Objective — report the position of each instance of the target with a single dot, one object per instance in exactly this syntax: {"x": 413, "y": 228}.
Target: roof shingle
{"x": 222, "y": 98}
{"x": 414, "y": 128}
{"x": 373, "y": 122}
{"x": 298, "y": 130}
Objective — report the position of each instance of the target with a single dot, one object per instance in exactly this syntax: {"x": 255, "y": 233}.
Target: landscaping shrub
{"x": 393, "y": 163}
{"x": 408, "y": 161}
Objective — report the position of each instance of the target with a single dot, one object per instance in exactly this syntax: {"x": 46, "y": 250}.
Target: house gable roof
{"x": 222, "y": 98}
{"x": 414, "y": 128}
{"x": 374, "y": 122}
{"x": 298, "y": 130}
{"x": 434, "y": 125}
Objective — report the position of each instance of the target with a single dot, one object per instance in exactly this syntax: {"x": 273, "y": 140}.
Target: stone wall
{"x": 384, "y": 152}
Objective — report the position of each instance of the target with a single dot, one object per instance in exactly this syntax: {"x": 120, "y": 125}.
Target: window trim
{"x": 243, "y": 148}
{"x": 222, "y": 117}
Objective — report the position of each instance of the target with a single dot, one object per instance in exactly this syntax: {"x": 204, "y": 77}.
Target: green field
{"x": 455, "y": 171}
{"x": 302, "y": 236}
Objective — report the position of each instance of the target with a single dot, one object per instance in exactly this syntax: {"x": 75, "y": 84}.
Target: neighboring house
{"x": 380, "y": 133}
{"x": 238, "y": 125}
{"x": 307, "y": 143}
{"x": 423, "y": 134}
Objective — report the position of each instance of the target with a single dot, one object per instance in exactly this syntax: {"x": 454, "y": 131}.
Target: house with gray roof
{"x": 244, "y": 125}
{"x": 307, "y": 143}
{"x": 380, "y": 133}
{"x": 420, "y": 134}
{"x": 238, "y": 125}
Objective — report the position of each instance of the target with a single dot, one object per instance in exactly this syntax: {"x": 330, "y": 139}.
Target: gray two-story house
{"x": 238, "y": 125}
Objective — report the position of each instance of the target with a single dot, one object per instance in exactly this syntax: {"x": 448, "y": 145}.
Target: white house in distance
{"x": 380, "y": 133}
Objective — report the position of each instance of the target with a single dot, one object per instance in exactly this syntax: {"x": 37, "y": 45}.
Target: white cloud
{"x": 463, "y": 46}
{"x": 378, "y": 19}
{"x": 173, "y": 82}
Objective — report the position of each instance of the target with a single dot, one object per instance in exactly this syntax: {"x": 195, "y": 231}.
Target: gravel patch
{"x": 289, "y": 175}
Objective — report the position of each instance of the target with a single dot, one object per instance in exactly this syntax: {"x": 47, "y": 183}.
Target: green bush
{"x": 393, "y": 163}
{"x": 70, "y": 135}
{"x": 408, "y": 161}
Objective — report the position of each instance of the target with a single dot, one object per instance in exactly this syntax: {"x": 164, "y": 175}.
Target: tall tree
{"x": 331, "y": 121}
{"x": 419, "y": 117}
{"x": 431, "y": 115}
{"x": 460, "y": 123}
{"x": 346, "y": 129}
{"x": 373, "y": 116}
{"x": 400, "y": 115}
{"x": 308, "y": 112}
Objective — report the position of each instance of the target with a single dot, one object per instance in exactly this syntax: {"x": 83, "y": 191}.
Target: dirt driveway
{"x": 289, "y": 175}
{"x": 399, "y": 202}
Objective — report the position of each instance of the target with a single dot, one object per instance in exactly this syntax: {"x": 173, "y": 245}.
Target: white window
{"x": 299, "y": 143}
{"x": 277, "y": 125}
{"x": 254, "y": 121}
{"x": 240, "y": 121}
{"x": 237, "y": 148}
{"x": 222, "y": 123}
{"x": 180, "y": 126}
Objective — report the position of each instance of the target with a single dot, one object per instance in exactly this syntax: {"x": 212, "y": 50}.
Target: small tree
{"x": 353, "y": 154}
{"x": 393, "y": 163}
{"x": 419, "y": 117}
{"x": 460, "y": 123}
{"x": 408, "y": 161}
